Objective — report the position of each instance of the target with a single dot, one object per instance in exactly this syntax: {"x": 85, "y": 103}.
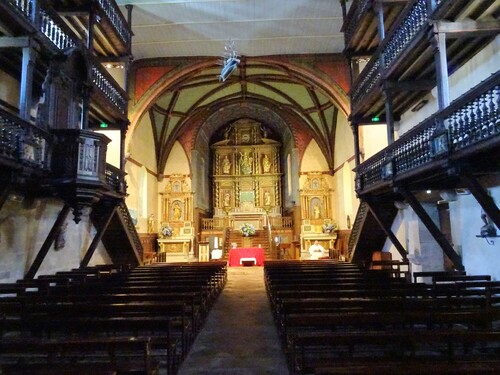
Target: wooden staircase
{"x": 367, "y": 235}
{"x": 261, "y": 237}
{"x": 119, "y": 235}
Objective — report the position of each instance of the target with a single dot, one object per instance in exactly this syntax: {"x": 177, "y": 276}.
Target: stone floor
{"x": 239, "y": 336}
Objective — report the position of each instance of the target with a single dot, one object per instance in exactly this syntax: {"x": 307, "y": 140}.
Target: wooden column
{"x": 439, "y": 43}
{"x": 28, "y": 66}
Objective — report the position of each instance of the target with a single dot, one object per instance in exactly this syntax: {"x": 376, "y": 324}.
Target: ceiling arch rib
{"x": 278, "y": 84}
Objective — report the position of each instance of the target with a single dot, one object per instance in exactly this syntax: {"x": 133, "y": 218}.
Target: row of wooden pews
{"x": 335, "y": 318}
{"x": 106, "y": 319}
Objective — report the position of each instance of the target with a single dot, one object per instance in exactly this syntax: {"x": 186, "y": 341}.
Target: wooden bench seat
{"x": 411, "y": 368}
{"x": 308, "y": 349}
{"x": 81, "y": 356}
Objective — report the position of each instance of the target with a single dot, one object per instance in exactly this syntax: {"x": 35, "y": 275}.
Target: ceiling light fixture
{"x": 230, "y": 62}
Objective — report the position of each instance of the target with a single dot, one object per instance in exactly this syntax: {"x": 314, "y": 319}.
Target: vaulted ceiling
{"x": 290, "y": 71}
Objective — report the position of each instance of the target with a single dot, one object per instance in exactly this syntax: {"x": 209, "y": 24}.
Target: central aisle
{"x": 239, "y": 336}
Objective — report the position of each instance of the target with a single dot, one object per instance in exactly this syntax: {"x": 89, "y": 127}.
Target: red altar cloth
{"x": 235, "y": 255}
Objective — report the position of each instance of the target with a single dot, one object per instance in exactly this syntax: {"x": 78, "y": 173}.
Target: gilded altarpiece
{"x": 315, "y": 199}
{"x": 246, "y": 174}
{"x": 177, "y": 213}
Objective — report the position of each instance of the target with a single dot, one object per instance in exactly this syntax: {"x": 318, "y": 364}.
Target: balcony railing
{"x": 363, "y": 6}
{"x": 471, "y": 120}
{"x": 129, "y": 224}
{"x": 115, "y": 17}
{"x": 108, "y": 86}
{"x": 22, "y": 142}
{"x": 115, "y": 178}
{"x": 55, "y": 30}
{"x": 397, "y": 40}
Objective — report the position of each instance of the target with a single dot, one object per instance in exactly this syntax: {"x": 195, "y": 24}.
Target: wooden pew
{"x": 344, "y": 349}
{"x": 81, "y": 356}
{"x": 125, "y": 304}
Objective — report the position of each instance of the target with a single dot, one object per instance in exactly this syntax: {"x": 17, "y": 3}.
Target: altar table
{"x": 235, "y": 255}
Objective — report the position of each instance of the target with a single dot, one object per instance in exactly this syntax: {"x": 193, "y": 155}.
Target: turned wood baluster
{"x": 453, "y": 130}
{"x": 462, "y": 130}
{"x": 496, "y": 105}
{"x": 483, "y": 115}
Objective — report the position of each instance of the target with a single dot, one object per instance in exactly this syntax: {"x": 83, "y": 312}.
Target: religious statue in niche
{"x": 316, "y": 211}
{"x": 267, "y": 198}
{"x": 226, "y": 165}
{"x": 227, "y": 200}
{"x": 176, "y": 211}
{"x": 246, "y": 162}
{"x": 266, "y": 164}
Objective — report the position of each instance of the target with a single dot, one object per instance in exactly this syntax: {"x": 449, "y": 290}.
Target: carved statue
{"x": 151, "y": 223}
{"x": 227, "y": 200}
{"x": 246, "y": 162}
{"x": 267, "y": 199}
{"x": 177, "y": 211}
{"x": 316, "y": 212}
{"x": 266, "y": 164}
{"x": 226, "y": 165}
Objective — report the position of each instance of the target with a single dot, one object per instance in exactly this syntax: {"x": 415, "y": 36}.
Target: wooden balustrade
{"x": 116, "y": 19}
{"x": 469, "y": 120}
{"x": 23, "y": 142}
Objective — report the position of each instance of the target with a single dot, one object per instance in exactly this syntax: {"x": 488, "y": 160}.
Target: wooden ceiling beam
{"x": 467, "y": 28}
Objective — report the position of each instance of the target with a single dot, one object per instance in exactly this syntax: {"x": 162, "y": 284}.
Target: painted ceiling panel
{"x": 188, "y": 97}
{"x": 164, "y": 100}
{"x": 329, "y": 117}
{"x": 298, "y": 92}
{"x": 267, "y": 93}
{"x": 229, "y": 90}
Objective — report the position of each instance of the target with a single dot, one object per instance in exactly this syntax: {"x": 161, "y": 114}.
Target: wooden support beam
{"x": 387, "y": 230}
{"x": 483, "y": 198}
{"x": 467, "y": 28}
{"x": 432, "y": 228}
{"x": 15, "y": 42}
{"x": 98, "y": 237}
{"x": 48, "y": 242}
{"x": 416, "y": 85}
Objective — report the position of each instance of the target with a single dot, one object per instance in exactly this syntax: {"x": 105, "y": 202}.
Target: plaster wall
{"x": 345, "y": 201}
{"x": 478, "y": 256}
{"x": 113, "y": 149}
{"x": 141, "y": 178}
{"x": 9, "y": 89}
{"x": 373, "y": 138}
{"x": 477, "y": 69}
{"x": 24, "y": 226}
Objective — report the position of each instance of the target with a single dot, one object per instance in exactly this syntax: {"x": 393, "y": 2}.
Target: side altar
{"x": 177, "y": 248}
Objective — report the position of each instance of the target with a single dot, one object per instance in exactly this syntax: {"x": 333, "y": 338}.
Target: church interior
{"x": 343, "y": 151}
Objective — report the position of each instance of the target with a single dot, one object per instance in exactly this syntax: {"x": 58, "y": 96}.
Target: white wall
{"x": 18, "y": 248}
